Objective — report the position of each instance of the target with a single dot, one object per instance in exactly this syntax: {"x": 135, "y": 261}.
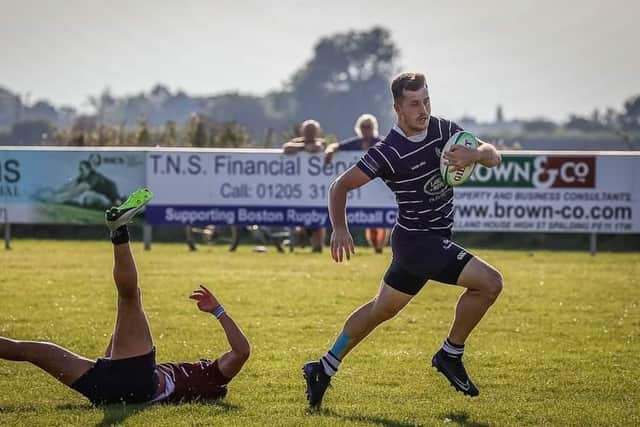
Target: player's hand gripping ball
{"x": 456, "y": 176}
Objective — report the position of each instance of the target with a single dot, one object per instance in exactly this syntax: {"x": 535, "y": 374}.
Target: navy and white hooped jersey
{"x": 410, "y": 166}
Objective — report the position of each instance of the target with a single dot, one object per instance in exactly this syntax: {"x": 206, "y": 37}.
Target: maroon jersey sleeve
{"x": 195, "y": 381}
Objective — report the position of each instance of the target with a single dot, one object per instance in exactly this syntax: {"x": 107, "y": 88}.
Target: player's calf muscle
{"x": 382, "y": 312}
{"x": 21, "y": 351}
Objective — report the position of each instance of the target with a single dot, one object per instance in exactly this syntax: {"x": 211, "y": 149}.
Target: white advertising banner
{"x": 262, "y": 187}
{"x": 573, "y": 193}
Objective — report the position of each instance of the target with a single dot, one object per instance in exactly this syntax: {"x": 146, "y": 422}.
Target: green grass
{"x": 560, "y": 347}
{"x": 68, "y": 214}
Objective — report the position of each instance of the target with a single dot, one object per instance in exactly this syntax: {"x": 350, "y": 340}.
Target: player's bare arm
{"x": 231, "y": 362}
{"x": 293, "y": 147}
{"x": 460, "y": 157}
{"x": 330, "y": 151}
{"x": 341, "y": 240}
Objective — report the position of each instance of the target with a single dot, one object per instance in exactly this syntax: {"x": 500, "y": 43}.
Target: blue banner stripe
{"x": 265, "y": 215}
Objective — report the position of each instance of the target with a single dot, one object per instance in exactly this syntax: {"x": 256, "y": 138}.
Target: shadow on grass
{"x": 75, "y": 406}
{"x": 26, "y": 408}
{"x": 371, "y": 419}
{"x": 116, "y": 414}
{"x": 18, "y": 409}
{"x": 462, "y": 419}
{"x": 222, "y": 406}
{"x": 113, "y": 414}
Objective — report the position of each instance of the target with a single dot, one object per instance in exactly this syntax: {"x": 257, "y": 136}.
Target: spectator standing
{"x": 366, "y": 129}
{"x": 310, "y": 142}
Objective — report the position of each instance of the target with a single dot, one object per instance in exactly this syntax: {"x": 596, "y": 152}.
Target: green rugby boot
{"x": 118, "y": 216}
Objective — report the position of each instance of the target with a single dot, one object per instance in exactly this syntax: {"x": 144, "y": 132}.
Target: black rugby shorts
{"x": 419, "y": 256}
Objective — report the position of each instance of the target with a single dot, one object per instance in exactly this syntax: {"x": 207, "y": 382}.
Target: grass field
{"x": 560, "y": 347}
{"x": 68, "y": 214}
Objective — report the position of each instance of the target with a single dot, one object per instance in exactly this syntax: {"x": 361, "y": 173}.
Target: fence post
{"x": 593, "y": 243}
{"x": 146, "y": 236}
{"x": 7, "y": 235}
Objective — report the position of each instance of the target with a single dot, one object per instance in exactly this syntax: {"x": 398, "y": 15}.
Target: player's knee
{"x": 494, "y": 284}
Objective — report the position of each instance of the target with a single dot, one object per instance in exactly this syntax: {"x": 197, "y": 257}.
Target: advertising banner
{"x": 530, "y": 191}
{"x": 553, "y": 193}
{"x": 262, "y": 187}
{"x": 66, "y": 186}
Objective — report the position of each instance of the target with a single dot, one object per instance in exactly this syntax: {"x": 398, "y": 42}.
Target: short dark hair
{"x": 86, "y": 164}
{"x": 408, "y": 81}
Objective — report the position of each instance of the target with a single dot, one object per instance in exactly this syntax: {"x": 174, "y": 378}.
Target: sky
{"x": 535, "y": 58}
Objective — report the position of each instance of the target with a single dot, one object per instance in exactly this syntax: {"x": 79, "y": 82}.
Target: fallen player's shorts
{"x": 419, "y": 256}
{"x": 131, "y": 380}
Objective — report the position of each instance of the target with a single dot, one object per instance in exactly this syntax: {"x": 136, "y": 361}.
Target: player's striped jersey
{"x": 410, "y": 166}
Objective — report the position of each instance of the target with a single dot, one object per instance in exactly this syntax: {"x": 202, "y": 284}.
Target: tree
{"x": 499, "y": 114}
{"x": 252, "y": 111}
{"x": 179, "y": 108}
{"x": 630, "y": 117}
{"x": 610, "y": 117}
{"x": 10, "y": 108}
{"x": 228, "y": 135}
{"x": 29, "y": 132}
{"x": 5, "y": 138}
{"x": 197, "y": 132}
{"x": 348, "y": 75}
{"x": 169, "y": 137}
{"x": 540, "y": 125}
{"x": 270, "y": 139}
{"x": 85, "y": 123}
{"x": 144, "y": 137}
{"x": 42, "y": 110}
{"x": 104, "y": 105}
{"x": 583, "y": 124}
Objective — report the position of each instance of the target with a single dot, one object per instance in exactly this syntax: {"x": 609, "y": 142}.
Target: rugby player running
{"x": 408, "y": 161}
{"x": 128, "y": 372}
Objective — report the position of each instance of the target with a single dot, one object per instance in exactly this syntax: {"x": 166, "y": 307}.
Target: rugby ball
{"x": 457, "y": 177}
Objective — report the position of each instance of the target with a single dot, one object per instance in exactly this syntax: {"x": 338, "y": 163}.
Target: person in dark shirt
{"x": 408, "y": 161}
{"x": 128, "y": 372}
{"x": 90, "y": 189}
{"x": 97, "y": 182}
{"x": 366, "y": 129}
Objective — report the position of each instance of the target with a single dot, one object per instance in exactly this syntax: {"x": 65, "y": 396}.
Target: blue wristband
{"x": 218, "y": 311}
